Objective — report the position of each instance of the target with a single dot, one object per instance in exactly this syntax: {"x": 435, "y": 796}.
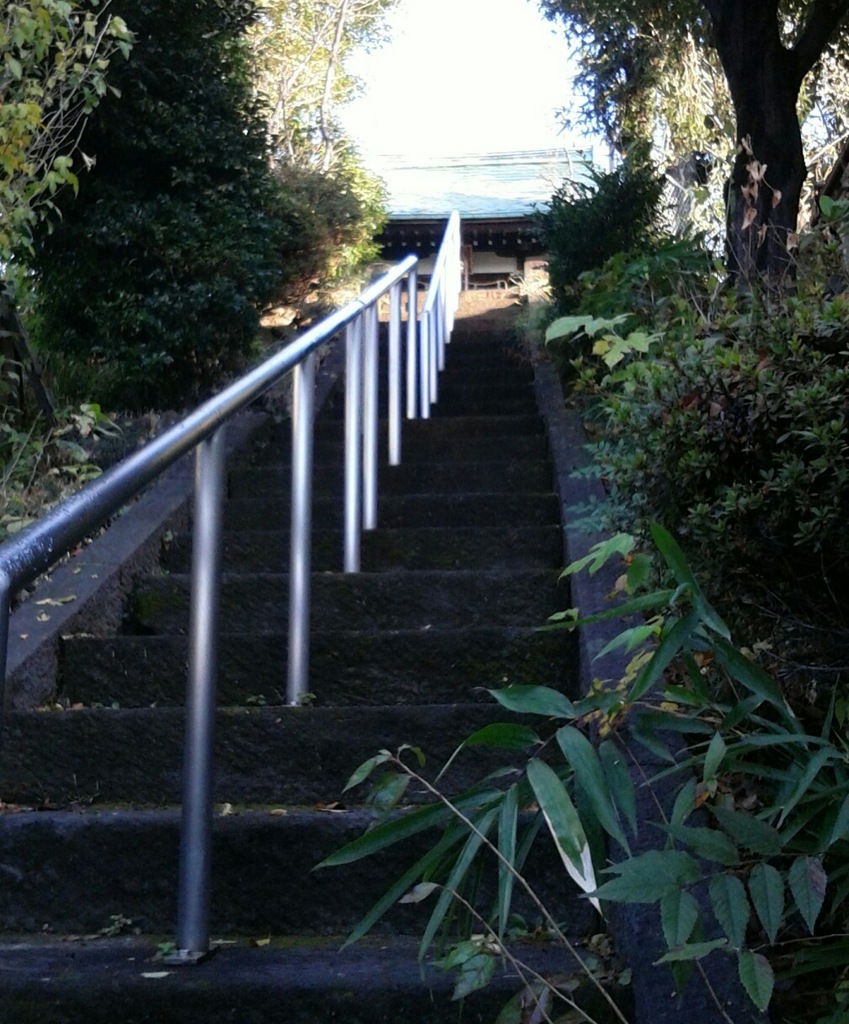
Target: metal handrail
{"x": 39, "y": 546}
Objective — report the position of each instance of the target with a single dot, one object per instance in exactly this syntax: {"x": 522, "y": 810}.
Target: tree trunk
{"x": 764, "y": 78}
{"x": 769, "y": 169}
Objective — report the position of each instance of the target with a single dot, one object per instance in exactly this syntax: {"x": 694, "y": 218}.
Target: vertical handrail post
{"x": 394, "y": 373}
{"x": 353, "y": 443}
{"x": 424, "y": 365}
{"x": 196, "y": 828}
{"x": 412, "y": 323}
{"x": 5, "y": 612}
{"x": 303, "y": 414}
{"x": 371, "y": 361}
{"x": 433, "y": 354}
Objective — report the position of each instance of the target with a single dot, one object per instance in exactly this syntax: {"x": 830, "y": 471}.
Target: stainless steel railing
{"x": 38, "y": 547}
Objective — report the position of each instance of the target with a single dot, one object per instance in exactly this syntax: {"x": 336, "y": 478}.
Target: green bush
{"x": 162, "y": 262}
{"x": 331, "y": 221}
{"x": 586, "y": 224}
{"x": 732, "y": 428}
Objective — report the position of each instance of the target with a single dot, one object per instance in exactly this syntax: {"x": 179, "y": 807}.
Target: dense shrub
{"x": 161, "y": 263}
{"x": 331, "y": 222}
{"x": 586, "y": 224}
{"x": 732, "y": 430}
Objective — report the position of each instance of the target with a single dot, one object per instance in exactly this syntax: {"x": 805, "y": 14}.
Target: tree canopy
{"x": 54, "y": 55}
{"x": 765, "y": 51}
{"x": 299, "y": 49}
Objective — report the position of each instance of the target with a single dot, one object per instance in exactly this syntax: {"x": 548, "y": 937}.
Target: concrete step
{"x": 123, "y": 863}
{"x": 257, "y": 602}
{"x": 402, "y": 511}
{"x": 409, "y": 478}
{"x": 379, "y": 982}
{"x": 275, "y": 448}
{"x": 403, "y": 667}
{"x": 462, "y": 403}
{"x": 428, "y": 547}
{"x": 266, "y": 755}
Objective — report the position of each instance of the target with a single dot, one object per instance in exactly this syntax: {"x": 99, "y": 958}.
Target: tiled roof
{"x": 481, "y": 185}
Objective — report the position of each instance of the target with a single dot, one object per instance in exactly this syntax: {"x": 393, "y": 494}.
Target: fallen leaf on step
{"x": 278, "y": 811}
{"x": 156, "y": 974}
{"x": 57, "y": 602}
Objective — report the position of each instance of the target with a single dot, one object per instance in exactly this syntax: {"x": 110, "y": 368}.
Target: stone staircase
{"x": 454, "y": 582}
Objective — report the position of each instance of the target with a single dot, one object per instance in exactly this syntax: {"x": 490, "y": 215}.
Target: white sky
{"x": 463, "y": 76}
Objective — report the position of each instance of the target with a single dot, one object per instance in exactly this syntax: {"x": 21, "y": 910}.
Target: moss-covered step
{"x": 122, "y": 864}
{"x": 428, "y": 547}
{"x": 257, "y": 602}
{"x": 291, "y": 756}
{"x": 435, "y": 666}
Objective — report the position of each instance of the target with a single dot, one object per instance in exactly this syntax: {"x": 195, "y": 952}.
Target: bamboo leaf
{"x": 671, "y": 644}
{"x": 619, "y": 781}
{"x": 812, "y": 770}
{"x": 685, "y": 803}
{"x": 454, "y": 882}
{"x": 692, "y": 951}
{"x": 716, "y": 751}
{"x": 366, "y": 768}
{"x": 419, "y": 892}
{"x": 679, "y": 913}
{"x": 754, "y": 678}
{"x": 507, "y": 829}
{"x": 677, "y": 562}
{"x": 535, "y": 700}
{"x": 757, "y": 977}
{"x": 589, "y": 776}
{"x": 563, "y": 824}
{"x": 840, "y": 828}
{"x": 766, "y": 888}
{"x": 731, "y": 907}
{"x": 807, "y": 880}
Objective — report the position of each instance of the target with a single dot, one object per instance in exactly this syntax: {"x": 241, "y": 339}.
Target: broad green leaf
{"x": 807, "y": 881}
{"x": 679, "y": 913}
{"x": 454, "y": 882}
{"x": 563, "y": 824}
{"x": 658, "y": 599}
{"x": 716, "y": 751}
{"x": 566, "y": 326}
{"x": 709, "y": 843}
{"x": 649, "y": 877}
{"x": 621, "y": 544}
{"x": 731, "y": 907}
{"x": 619, "y": 781}
{"x": 535, "y": 700}
{"x": 366, "y": 768}
{"x": 507, "y": 735}
{"x": 692, "y": 951}
{"x": 757, "y": 977}
{"x": 589, "y": 776}
{"x": 388, "y": 791}
{"x": 507, "y": 828}
{"x": 766, "y": 887}
{"x": 473, "y": 974}
{"x": 749, "y": 832}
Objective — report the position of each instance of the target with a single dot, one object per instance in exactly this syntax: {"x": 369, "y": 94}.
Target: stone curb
{"x": 635, "y": 928}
